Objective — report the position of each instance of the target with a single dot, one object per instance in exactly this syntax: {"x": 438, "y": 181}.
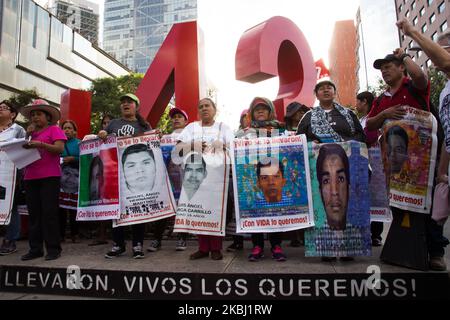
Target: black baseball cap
{"x": 389, "y": 58}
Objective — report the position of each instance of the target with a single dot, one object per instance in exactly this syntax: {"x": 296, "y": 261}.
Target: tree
{"x": 438, "y": 81}
{"x": 105, "y": 98}
{"x": 23, "y": 98}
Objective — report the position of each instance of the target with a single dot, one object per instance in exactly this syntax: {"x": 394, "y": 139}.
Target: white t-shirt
{"x": 218, "y": 131}
{"x": 13, "y": 132}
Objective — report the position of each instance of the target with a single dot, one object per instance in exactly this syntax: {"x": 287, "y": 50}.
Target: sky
{"x": 223, "y": 22}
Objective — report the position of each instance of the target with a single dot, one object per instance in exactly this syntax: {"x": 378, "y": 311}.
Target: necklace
{"x": 7, "y": 126}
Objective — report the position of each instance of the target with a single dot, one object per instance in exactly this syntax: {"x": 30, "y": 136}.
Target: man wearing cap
{"x": 179, "y": 120}
{"x": 130, "y": 123}
{"x": 439, "y": 54}
{"x": 399, "y": 93}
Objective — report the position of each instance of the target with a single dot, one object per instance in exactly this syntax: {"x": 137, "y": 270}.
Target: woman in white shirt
{"x": 206, "y": 136}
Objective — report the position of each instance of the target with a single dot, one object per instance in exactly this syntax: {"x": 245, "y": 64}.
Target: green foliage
{"x": 379, "y": 87}
{"x": 23, "y": 98}
{"x": 106, "y": 93}
{"x": 438, "y": 81}
{"x": 105, "y": 99}
{"x": 164, "y": 124}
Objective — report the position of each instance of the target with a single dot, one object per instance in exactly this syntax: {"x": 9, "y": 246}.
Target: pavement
{"x": 168, "y": 260}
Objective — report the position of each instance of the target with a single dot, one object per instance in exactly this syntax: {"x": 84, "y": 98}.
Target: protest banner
{"x": 379, "y": 202}
{"x": 145, "y": 190}
{"x": 202, "y": 205}
{"x": 340, "y": 188}
{"x": 68, "y": 194}
{"x": 272, "y": 184}
{"x": 409, "y": 148}
{"x": 174, "y": 170}
{"x": 98, "y": 193}
{"x": 7, "y": 186}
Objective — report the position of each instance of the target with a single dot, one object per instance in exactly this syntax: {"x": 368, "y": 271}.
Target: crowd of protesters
{"x": 328, "y": 121}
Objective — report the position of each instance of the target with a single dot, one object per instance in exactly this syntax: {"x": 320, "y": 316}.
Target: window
{"x": 410, "y": 44}
{"x": 415, "y": 21}
{"x": 428, "y": 63}
{"x": 434, "y": 37}
{"x": 400, "y": 8}
{"x": 424, "y": 28}
{"x": 413, "y": 5}
{"x": 407, "y": 14}
{"x": 443, "y": 26}
{"x": 429, "y": 2}
{"x": 432, "y": 18}
{"x": 441, "y": 7}
{"x": 422, "y": 11}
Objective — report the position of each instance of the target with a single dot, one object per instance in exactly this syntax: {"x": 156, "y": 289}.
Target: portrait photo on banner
{"x": 272, "y": 184}
{"x": 98, "y": 196}
{"x": 146, "y": 194}
{"x": 409, "y": 149}
{"x": 203, "y": 200}
{"x": 340, "y": 184}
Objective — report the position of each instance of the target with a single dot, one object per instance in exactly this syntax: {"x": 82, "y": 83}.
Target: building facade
{"x": 80, "y": 15}
{"x": 342, "y": 60}
{"x": 39, "y": 51}
{"x": 432, "y": 17}
{"x": 135, "y": 29}
{"x": 376, "y": 36}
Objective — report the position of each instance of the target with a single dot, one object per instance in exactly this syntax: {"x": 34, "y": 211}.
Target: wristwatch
{"x": 403, "y": 56}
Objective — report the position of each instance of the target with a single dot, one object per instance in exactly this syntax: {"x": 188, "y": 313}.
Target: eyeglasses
{"x": 3, "y": 107}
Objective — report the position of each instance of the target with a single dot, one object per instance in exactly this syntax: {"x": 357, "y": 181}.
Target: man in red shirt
{"x": 393, "y": 68}
{"x": 413, "y": 91}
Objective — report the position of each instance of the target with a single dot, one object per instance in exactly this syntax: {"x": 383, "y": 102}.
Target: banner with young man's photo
{"x": 146, "y": 193}
{"x": 7, "y": 186}
{"x": 341, "y": 201}
{"x": 272, "y": 186}
{"x": 379, "y": 202}
{"x": 202, "y": 206}
{"x": 409, "y": 148}
{"x": 98, "y": 193}
{"x": 68, "y": 194}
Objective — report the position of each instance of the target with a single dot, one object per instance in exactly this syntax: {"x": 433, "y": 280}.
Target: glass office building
{"x": 135, "y": 29}
{"x": 38, "y": 51}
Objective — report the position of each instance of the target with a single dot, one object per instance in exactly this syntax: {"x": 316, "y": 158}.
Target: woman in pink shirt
{"x": 42, "y": 179}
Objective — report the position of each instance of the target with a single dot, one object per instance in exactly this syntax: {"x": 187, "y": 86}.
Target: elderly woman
{"x": 206, "y": 135}
{"x": 330, "y": 122}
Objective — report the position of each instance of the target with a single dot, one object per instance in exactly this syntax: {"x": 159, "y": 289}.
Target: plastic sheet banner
{"x": 7, "y": 186}
{"x": 272, "y": 184}
{"x": 145, "y": 190}
{"x": 340, "y": 187}
{"x": 409, "y": 149}
{"x": 203, "y": 201}
{"x": 98, "y": 194}
{"x": 379, "y": 202}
